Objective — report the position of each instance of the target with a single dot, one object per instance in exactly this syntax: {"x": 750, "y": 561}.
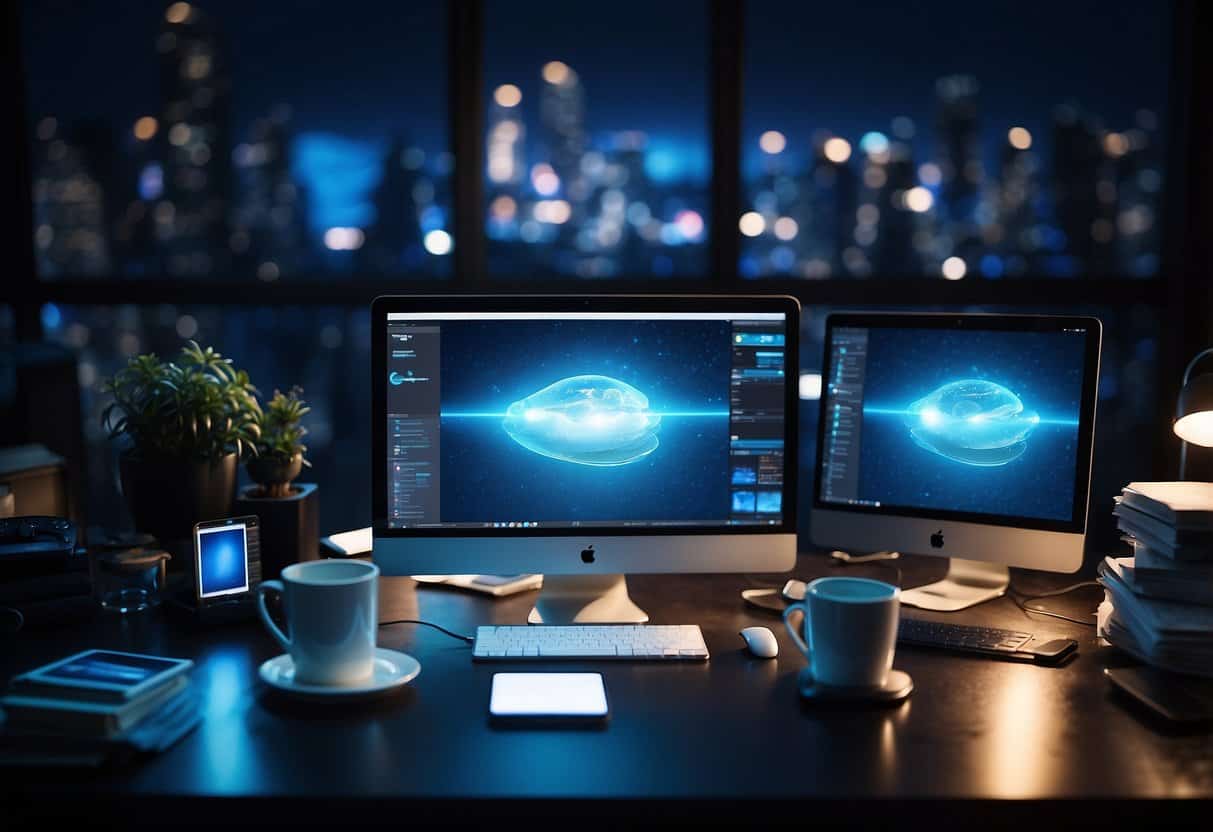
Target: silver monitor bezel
{"x": 559, "y": 550}
{"x": 1011, "y": 541}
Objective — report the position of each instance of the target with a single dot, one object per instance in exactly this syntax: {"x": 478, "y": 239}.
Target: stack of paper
{"x": 1159, "y": 602}
{"x": 97, "y": 702}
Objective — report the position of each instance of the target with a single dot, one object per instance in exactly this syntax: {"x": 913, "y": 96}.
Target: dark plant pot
{"x": 290, "y": 525}
{"x": 274, "y": 473}
{"x": 168, "y": 496}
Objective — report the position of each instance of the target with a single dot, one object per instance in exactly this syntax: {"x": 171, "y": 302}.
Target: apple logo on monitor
{"x": 937, "y": 539}
{"x": 587, "y": 554}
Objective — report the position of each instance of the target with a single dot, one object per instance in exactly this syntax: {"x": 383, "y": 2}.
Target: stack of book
{"x": 1158, "y": 603}
{"x": 96, "y": 704}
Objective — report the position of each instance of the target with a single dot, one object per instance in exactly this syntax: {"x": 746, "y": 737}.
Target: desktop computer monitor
{"x": 963, "y": 436}
{"x": 583, "y": 438}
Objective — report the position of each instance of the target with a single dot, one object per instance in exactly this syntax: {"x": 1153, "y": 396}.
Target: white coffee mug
{"x": 332, "y": 615}
{"x": 850, "y": 626}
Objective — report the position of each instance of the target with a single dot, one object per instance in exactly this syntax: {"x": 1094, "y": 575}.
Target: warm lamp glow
{"x": 1196, "y": 428}
{"x": 1194, "y": 410}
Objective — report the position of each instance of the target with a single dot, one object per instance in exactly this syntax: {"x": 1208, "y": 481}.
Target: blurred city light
{"x": 751, "y": 224}
{"x": 1020, "y": 138}
{"x": 772, "y": 142}
{"x": 342, "y": 238}
{"x": 874, "y": 143}
{"x": 507, "y": 95}
{"x": 837, "y": 150}
{"x": 556, "y": 72}
{"x": 555, "y": 211}
{"x": 544, "y": 179}
{"x": 438, "y": 242}
{"x": 503, "y": 209}
{"x": 1116, "y": 145}
{"x": 785, "y": 228}
{"x": 690, "y": 224}
{"x": 145, "y": 128}
{"x": 178, "y": 13}
{"x": 954, "y": 268}
{"x": 919, "y": 199}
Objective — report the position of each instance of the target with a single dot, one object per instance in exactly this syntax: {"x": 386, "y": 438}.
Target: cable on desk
{"x": 439, "y": 627}
{"x": 1021, "y": 600}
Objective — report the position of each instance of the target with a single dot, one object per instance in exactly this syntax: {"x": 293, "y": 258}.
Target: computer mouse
{"x": 761, "y": 642}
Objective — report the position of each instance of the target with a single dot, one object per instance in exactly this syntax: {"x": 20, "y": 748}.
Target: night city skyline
{"x": 963, "y": 175}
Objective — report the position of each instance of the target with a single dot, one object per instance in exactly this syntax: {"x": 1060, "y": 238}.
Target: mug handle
{"x": 278, "y": 635}
{"x": 792, "y": 631}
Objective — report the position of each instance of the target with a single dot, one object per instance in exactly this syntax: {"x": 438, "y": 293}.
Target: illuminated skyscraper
{"x": 505, "y": 141}
{"x": 270, "y": 233}
{"x": 191, "y": 218}
{"x": 1015, "y": 232}
{"x": 403, "y": 196}
{"x": 831, "y": 221}
{"x": 71, "y": 221}
{"x": 562, "y": 116}
{"x": 1077, "y": 162}
{"x": 960, "y": 154}
{"x": 1135, "y": 153}
{"x": 894, "y": 253}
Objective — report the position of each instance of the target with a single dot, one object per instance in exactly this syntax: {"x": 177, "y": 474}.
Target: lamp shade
{"x": 1194, "y": 415}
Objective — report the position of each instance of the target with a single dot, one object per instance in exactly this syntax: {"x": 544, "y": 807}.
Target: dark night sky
{"x": 354, "y": 68}
{"x": 368, "y": 69}
{"x": 852, "y": 67}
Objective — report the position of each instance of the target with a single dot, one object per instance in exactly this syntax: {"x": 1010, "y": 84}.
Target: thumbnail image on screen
{"x": 222, "y": 561}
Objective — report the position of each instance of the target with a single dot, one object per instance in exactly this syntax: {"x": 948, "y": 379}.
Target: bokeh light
{"x": 772, "y": 142}
{"x": 507, "y": 95}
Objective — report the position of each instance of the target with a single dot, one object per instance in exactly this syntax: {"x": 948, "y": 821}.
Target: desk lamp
{"x": 1194, "y": 411}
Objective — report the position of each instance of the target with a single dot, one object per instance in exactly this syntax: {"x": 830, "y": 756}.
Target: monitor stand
{"x": 967, "y": 583}
{"x": 585, "y": 599}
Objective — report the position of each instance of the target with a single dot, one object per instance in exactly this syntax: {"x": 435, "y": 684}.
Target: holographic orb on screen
{"x": 587, "y": 419}
{"x": 973, "y": 421}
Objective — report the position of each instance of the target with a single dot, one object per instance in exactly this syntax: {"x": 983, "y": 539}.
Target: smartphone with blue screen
{"x": 227, "y": 560}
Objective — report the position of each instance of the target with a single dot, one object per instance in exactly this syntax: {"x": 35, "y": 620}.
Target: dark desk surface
{"x": 733, "y": 728}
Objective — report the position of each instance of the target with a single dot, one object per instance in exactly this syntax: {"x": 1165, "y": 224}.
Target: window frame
{"x": 1181, "y": 295}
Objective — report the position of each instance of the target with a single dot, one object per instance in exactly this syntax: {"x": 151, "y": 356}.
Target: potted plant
{"x": 280, "y": 449}
{"x": 185, "y": 425}
{"x": 289, "y": 512}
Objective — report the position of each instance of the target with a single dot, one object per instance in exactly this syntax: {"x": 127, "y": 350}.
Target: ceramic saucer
{"x": 392, "y": 670}
{"x": 898, "y": 686}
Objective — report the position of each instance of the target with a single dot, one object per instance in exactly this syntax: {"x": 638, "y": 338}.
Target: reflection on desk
{"x": 716, "y": 733}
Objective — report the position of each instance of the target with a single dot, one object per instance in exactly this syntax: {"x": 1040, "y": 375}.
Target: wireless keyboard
{"x": 961, "y": 636}
{"x": 643, "y": 642}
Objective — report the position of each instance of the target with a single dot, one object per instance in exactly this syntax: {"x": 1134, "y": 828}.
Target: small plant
{"x": 199, "y": 408}
{"x": 280, "y": 448}
{"x": 281, "y": 431}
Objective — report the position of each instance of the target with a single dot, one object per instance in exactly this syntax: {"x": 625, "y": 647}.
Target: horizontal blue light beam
{"x": 892, "y": 411}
